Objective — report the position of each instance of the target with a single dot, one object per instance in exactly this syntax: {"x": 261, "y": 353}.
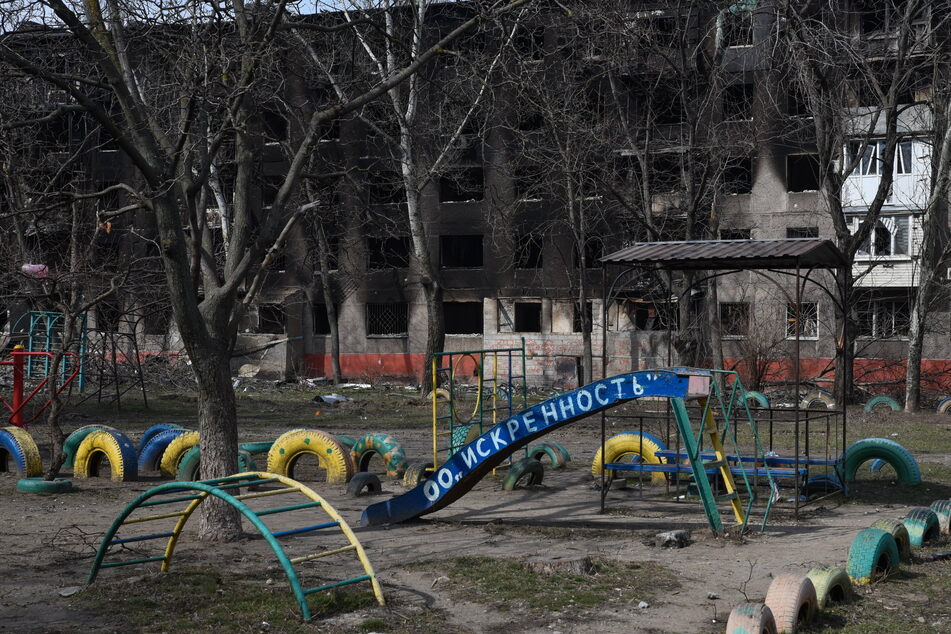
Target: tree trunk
{"x": 844, "y": 340}
{"x": 323, "y": 256}
{"x": 916, "y": 336}
{"x": 217, "y": 423}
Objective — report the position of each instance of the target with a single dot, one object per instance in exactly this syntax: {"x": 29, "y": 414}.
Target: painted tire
{"x": 751, "y": 618}
{"x": 17, "y": 443}
{"x": 364, "y": 481}
{"x": 46, "y": 487}
{"x": 922, "y": 525}
{"x": 331, "y": 455}
{"x": 441, "y": 395}
{"x": 175, "y": 450}
{"x": 564, "y": 452}
{"x": 882, "y": 400}
{"x": 873, "y": 554}
{"x": 822, "y": 483}
{"x": 630, "y": 444}
{"x": 832, "y": 585}
{"x": 761, "y": 399}
{"x": 112, "y": 445}
{"x": 812, "y": 398}
{"x": 890, "y": 451}
{"x": 942, "y": 508}
{"x": 153, "y": 431}
{"x": 462, "y": 435}
{"x": 555, "y": 457}
{"x": 387, "y": 447}
{"x": 899, "y": 533}
{"x": 792, "y": 600}
{"x": 944, "y": 405}
{"x": 150, "y": 456}
{"x": 75, "y": 438}
{"x": 526, "y": 467}
{"x": 417, "y": 473}
{"x": 256, "y": 447}
{"x": 189, "y": 469}
{"x": 347, "y": 441}
{"x": 876, "y": 465}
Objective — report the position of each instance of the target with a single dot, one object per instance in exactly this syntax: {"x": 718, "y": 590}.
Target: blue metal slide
{"x": 472, "y": 462}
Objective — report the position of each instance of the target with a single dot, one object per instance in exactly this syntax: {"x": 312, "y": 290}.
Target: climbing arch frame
{"x": 197, "y": 492}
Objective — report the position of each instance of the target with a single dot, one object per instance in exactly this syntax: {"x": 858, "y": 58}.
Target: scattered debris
{"x": 713, "y": 596}
{"x": 643, "y": 605}
{"x": 672, "y": 539}
{"x": 330, "y": 399}
{"x": 355, "y": 386}
{"x": 248, "y": 371}
{"x": 70, "y": 591}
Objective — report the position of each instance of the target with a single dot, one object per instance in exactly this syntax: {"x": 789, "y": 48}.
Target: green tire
{"x": 189, "y": 467}
{"x": 46, "y": 487}
{"x": 872, "y": 555}
{"x": 256, "y": 447}
{"x": 555, "y": 457}
{"x": 72, "y": 442}
{"x": 524, "y": 468}
{"x": 832, "y": 585}
{"x": 882, "y": 401}
{"x": 761, "y": 399}
{"x": 384, "y": 445}
{"x": 898, "y": 531}
{"x": 942, "y": 508}
{"x": 922, "y": 525}
{"x": 905, "y": 465}
{"x": 346, "y": 441}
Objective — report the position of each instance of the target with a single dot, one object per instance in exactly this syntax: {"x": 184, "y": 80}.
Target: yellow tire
{"x": 112, "y": 445}
{"x": 175, "y": 451}
{"x": 629, "y": 444}
{"x": 330, "y": 453}
{"x": 18, "y": 444}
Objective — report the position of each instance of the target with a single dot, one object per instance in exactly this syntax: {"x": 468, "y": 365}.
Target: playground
{"x": 536, "y": 558}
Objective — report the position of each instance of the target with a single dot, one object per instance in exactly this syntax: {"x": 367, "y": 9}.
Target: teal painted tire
{"x": 109, "y": 444}
{"x": 256, "y": 447}
{"x": 555, "y": 457}
{"x": 189, "y": 467}
{"x": 72, "y": 442}
{"x": 872, "y": 555}
{"x": 417, "y": 473}
{"x": 387, "y": 447}
{"x": 462, "y": 435}
{"x": 832, "y": 585}
{"x": 45, "y": 487}
{"x": 942, "y": 508}
{"x": 153, "y": 431}
{"x": 761, "y": 399}
{"x": 560, "y": 448}
{"x": 944, "y": 405}
{"x": 882, "y": 401}
{"x": 347, "y": 441}
{"x": 922, "y": 525}
{"x": 17, "y": 443}
{"x": 890, "y": 451}
{"x": 751, "y": 618}
{"x": 897, "y": 530}
{"x": 524, "y": 468}
{"x": 150, "y": 456}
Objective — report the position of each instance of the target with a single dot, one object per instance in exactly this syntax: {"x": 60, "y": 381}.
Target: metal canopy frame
{"x": 781, "y": 256}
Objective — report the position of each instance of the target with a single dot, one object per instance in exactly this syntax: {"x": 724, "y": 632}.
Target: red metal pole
{"x": 18, "y": 360}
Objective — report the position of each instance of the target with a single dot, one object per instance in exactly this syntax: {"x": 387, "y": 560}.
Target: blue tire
{"x": 153, "y": 431}
{"x": 17, "y": 443}
{"x": 759, "y": 397}
{"x": 151, "y": 454}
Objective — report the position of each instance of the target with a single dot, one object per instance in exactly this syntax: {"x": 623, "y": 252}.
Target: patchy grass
{"x": 198, "y": 599}
{"x": 510, "y": 585}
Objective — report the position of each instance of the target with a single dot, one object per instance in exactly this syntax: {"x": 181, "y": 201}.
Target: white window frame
{"x": 882, "y": 224}
{"x": 812, "y": 320}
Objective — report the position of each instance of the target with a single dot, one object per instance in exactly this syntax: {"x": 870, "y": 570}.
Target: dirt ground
{"x": 437, "y": 572}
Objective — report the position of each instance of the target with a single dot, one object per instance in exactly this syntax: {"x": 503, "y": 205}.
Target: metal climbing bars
{"x": 500, "y": 391}
{"x": 197, "y": 492}
{"x": 20, "y": 357}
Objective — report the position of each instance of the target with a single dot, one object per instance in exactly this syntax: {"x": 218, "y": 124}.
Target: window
{"x": 528, "y": 317}
{"x": 666, "y": 172}
{"x": 384, "y": 187}
{"x": 736, "y": 234}
{"x": 530, "y": 43}
{"x": 802, "y": 172}
{"x": 275, "y": 126}
{"x": 738, "y": 176}
{"x": 802, "y": 232}
{"x": 734, "y": 319}
{"x": 576, "y": 325}
{"x": 387, "y": 320}
{"x": 388, "y": 253}
{"x": 108, "y": 314}
{"x": 270, "y": 185}
{"x": 157, "y": 319}
{"x": 881, "y": 316}
{"x": 872, "y": 160}
{"x": 593, "y": 250}
{"x": 738, "y": 102}
{"x": 807, "y": 323}
{"x": 271, "y": 319}
{"x": 462, "y": 318}
{"x": 797, "y": 104}
{"x": 460, "y": 252}
{"x": 462, "y": 185}
{"x": 737, "y": 27}
{"x": 528, "y": 250}
{"x": 321, "y": 323}
{"x": 646, "y": 314}
{"x": 891, "y": 236}
{"x": 528, "y": 182}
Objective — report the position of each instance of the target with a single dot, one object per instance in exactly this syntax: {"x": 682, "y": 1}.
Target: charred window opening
{"x": 530, "y": 43}
{"x": 587, "y": 312}
{"x": 528, "y": 317}
{"x": 738, "y": 102}
{"x": 529, "y": 121}
{"x": 388, "y": 253}
{"x": 736, "y": 234}
{"x": 462, "y": 185}
{"x": 528, "y": 182}
{"x": 802, "y": 232}
{"x": 668, "y": 108}
{"x": 321, "y": 322}
{"x": 460, "y": 252}
{"x": 738, "y": 175}
{"x": 528, "y": 250}
{"x": 651, "y": 315}
{"x": 272, "y": 319}
{"x": 735, "y": 319}
{"x": 802, "y": 172}
{"x": 275, "y": 126}
{"x": 108, "y": 315}
{"x": 592, "y": 249}
{"x": 797, "y": 104}
{"x": 384, "y": 187}
{"x": 737, "y": 28}
{"x": 157, "y": 320}
{"x": 387, "y": 319}
{"x": 667, "y": 175}
{"x": 270, "y": 185}
{"x": 463, "y": 318}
